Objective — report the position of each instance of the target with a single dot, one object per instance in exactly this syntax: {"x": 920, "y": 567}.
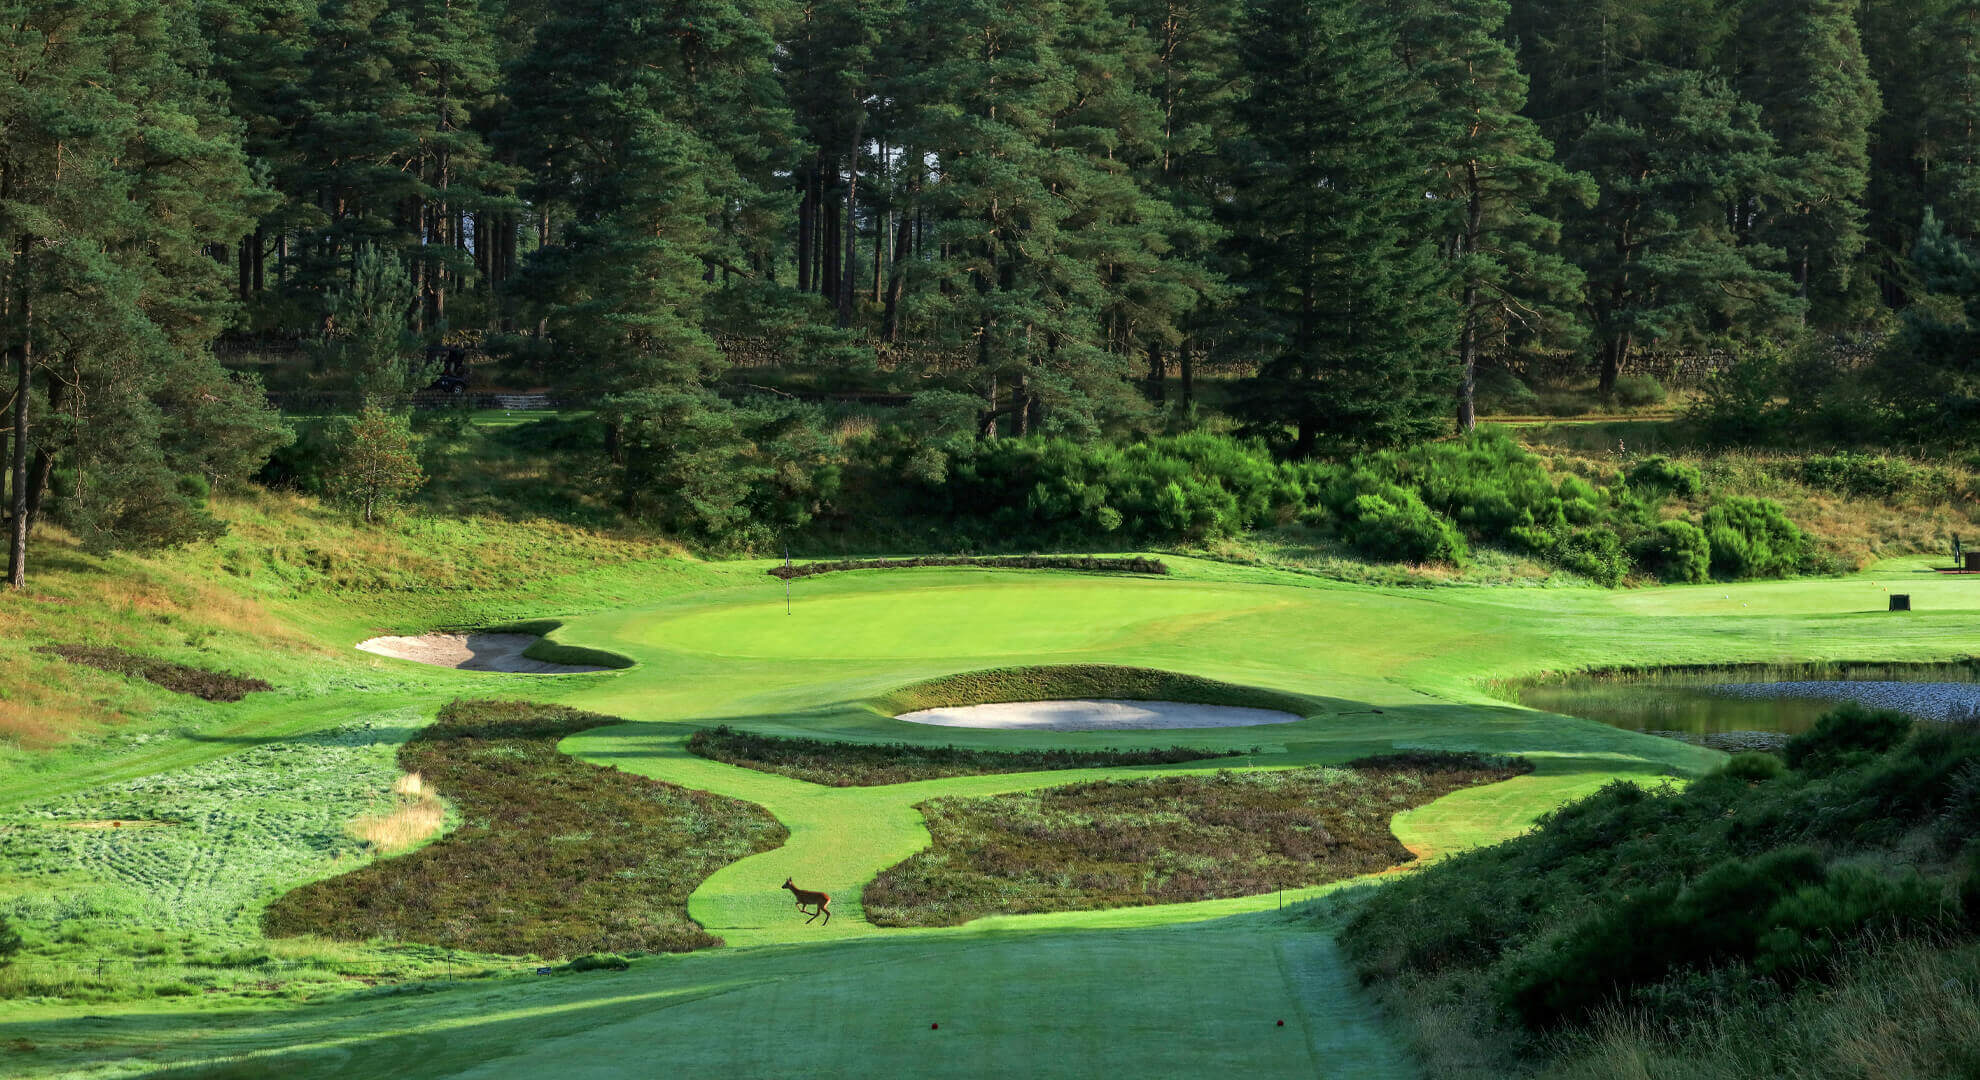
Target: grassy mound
{"x": 843, "y": 764}
{"x": 1739, "y": 926}
{"x": 1129, "y": 564}
{"x": 1072, "y": 681}
{"x": 1167, "y": 840}
{"x": 556, "y": 857}
{"x": 180, "y": 678}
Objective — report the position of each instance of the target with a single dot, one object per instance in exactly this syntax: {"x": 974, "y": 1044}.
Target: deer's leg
{"x": 827, "y": 910}
{"x": 814, "y": 915}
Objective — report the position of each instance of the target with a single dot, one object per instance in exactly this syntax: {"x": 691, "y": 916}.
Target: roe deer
{"x": 819, "y": 900}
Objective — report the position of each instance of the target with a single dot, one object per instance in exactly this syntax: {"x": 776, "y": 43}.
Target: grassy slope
{"x": 715, "y": 646}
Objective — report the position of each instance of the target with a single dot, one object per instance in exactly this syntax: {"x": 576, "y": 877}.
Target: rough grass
{"x": 180, "y": 678}
{"x": 844, "y": 764}
{"x": 416, "y": 815}
{"x": 1167, "y": 840}
{"x": 1073, "y": 681}
{"x": 555, "y": 857}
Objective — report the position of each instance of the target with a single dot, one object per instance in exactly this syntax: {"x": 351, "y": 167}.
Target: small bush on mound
{"x": 1639, "y": 391}
{"x": 179, "y": 678}
{"x": 1659, "y": 473}
{"x": 1164, "y": 840}
{"x": 1069, "y": 682}
{"x": 1128, "y": 565}
{"x": 1753, "y": 538}
{"x": 555, "y": 857}
{"x": 843, "y": 764}
{"x": 1845, "y": 736}
{"x": 595, "y": 962}
{"x": 1677, "y": 551}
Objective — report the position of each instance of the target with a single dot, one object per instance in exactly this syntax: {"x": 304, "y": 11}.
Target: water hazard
{"x": 1703, "y": 704}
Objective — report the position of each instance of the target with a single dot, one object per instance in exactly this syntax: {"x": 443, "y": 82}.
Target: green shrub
{"x": 1753, "y": 538}
{"x": 598, "y": 962}
{"x": 1637, "y": 391}
{"x": 1500, "y": 391}
{"x": 1676, "y": 551}
{"x": 1875, "y": 477}
{"x": 1754, "y": 767}
{"x": 1843, "y": 735}
{"x": 1404, "y": 530}
{"x": 1807, "y": 926}
{"x": 1660, "y": 473}
{"x": 10, "y": 940}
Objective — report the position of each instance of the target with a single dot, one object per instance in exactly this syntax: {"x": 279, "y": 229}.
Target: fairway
{"x": 1170, "y": 990}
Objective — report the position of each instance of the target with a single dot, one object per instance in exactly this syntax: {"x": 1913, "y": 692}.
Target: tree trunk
{"x": 1186, "y": 365}
{"x": 24, "y": 363}
{"x": 850, "y": 274}
{"x": 1021, "y": 406}
{"x": 828, "y": 285}
{"x": 1158, "y": 373}
{"x": 806, "y": 211}
{"x": 1614, "y": 352}
{"x": 890, "y": 319}
{"x": 245, "y": 276}
{"x": 989, "y": 431}
{"x": 1468, "y": 361}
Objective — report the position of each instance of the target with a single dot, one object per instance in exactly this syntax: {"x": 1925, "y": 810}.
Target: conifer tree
{"x": 1683, "y": 165}
{"x": 1950, "y": 145}
{"x": 1346, "y": 291}
{"x": 1807, "y": 73}
{"x": 1498, "y": 180}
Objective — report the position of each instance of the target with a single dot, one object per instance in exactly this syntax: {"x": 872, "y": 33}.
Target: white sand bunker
{"x": 1103, "y": 714}
{"x": 472, "y": 652}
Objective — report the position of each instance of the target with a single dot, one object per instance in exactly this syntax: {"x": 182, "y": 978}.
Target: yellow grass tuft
{"x": 417, "y": 815}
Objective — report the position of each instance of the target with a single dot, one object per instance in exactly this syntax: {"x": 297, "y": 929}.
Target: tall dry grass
{"x": 416, "y": 815}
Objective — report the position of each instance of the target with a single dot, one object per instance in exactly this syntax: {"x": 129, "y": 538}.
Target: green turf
{"x": 1183, "y": 989}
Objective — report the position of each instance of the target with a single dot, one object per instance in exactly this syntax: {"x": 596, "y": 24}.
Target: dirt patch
{"x": 472, "y": 652}
{"x": 1099, "y": 714}
{"x": 179, "y": 678}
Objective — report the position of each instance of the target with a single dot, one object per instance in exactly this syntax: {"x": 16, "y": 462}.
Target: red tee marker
{"x": 1282, "y": 1023}
{"x": 932, "y": 1027}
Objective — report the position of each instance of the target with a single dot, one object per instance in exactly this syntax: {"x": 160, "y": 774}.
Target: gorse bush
{"x": 1725, "y": 894}
{"x": 1677, "y": 551}
{"x": 1401, "y": 528}
{"x": 1844, "y": 736}
{"x": 1659, "y": 473}
{"x": 1753, "y": 538}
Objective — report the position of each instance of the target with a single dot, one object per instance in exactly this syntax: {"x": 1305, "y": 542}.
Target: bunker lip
{"x": 1097, "y": 714}
{"x": 472, "y": 652}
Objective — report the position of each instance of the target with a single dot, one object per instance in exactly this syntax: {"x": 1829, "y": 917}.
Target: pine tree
{"x": 1949, "y": 148}
{"x": 377, "y": 466}
{"x": 1346, "y": 290}
{"x": 1683, "y": 167}
{"x": 1807, "y": 73}
{"x": 1930, "y": 375}
{"x": 120, "y": 174}
{"x": 1498, "y": 179}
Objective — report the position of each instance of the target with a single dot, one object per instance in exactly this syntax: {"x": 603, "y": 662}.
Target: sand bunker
{"x": 1103, "y": 714}
{"x": 472, "y": 652}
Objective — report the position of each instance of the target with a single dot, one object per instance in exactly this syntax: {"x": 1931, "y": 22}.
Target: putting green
{"x": 1183, "y": 989}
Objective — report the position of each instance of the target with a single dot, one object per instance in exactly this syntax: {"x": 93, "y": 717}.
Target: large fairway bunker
{"x": 1103, "y": 714}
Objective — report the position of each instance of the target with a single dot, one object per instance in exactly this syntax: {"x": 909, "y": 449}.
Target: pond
{"x": 1710, "y": 705}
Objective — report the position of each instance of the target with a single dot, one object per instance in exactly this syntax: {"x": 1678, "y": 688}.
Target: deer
{"x": 819, "y": 900}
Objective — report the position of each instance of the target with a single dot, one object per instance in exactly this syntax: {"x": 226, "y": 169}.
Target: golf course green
{"x": 1178, "y": 990}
